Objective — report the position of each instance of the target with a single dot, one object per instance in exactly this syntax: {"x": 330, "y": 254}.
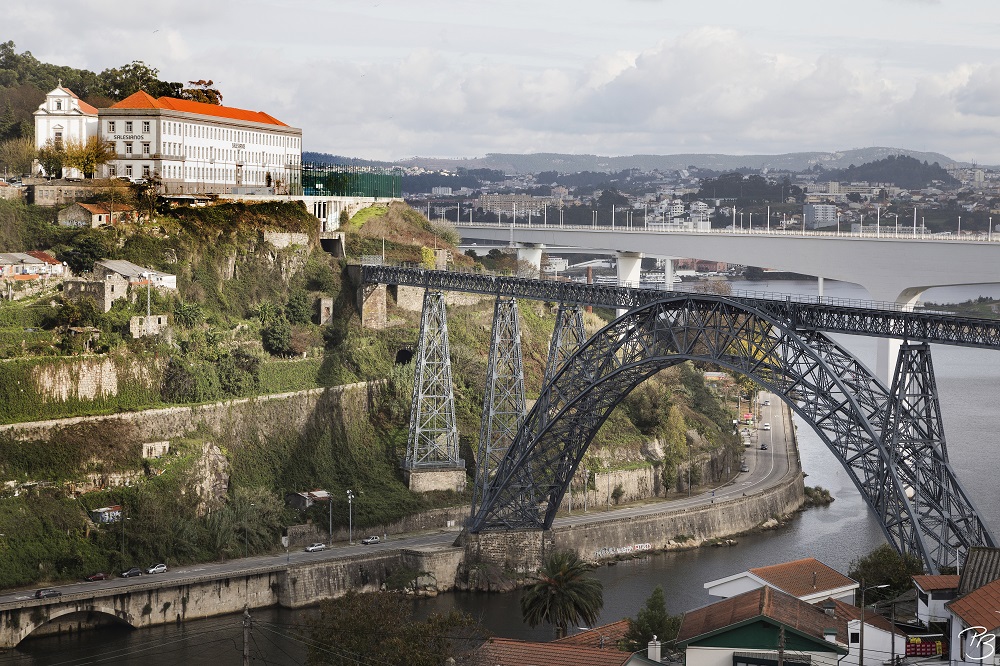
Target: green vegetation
{"x": 900, "y": 170}
{"x": 563, "y": 594}
{"x": 818, "y": 496}
{"x": 652, "y": 620}
{"x": 884, "y": 566}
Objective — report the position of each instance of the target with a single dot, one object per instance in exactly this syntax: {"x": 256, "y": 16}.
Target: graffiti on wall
{"x": 622, "y": 550}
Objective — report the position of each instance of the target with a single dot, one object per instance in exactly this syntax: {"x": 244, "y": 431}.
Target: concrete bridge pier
{"x": 669, "y": 271}
{"x": 628, "y": 264}
{"x": 533, "y": 255}
{"x": 887, "y": 349}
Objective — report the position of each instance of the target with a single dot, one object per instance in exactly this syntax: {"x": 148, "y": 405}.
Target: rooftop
{"x": 979, "y": 607}
{"x": 607, "y": 636}
{"x": 937, "y": 582}
{"x": 982, "y": 566}
{"x": 803, "y": 577}
{"x": 143, "y": 100}
{"x": 511, "y": 652}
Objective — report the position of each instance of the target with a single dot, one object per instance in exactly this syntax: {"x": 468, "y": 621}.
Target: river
{"x": 837, "y": 534}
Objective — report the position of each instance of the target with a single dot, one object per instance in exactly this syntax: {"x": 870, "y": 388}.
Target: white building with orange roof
{"x": 64, "y": 118}
{"x": 808, "y": 579}
{"x": 197, "y": 148}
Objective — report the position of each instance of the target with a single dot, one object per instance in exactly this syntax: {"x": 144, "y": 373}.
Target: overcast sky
{"x": 388, "y": 79}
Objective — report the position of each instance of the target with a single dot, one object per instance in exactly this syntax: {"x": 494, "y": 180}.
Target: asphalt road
{"x": 767, "y": 468}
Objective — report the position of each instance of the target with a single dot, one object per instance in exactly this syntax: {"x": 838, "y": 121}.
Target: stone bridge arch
{"x": 910, "y": 487}
{"x": 33, "y": 618}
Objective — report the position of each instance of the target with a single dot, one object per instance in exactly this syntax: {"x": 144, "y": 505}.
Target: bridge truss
{"x": 890, "y": 440}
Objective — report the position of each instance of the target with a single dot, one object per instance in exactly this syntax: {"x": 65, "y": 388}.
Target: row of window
{"x": 207, "y": 132}
{"x": 170, "y": 171}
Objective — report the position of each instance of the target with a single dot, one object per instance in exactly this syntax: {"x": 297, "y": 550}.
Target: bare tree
{"x": 16, "y": 155}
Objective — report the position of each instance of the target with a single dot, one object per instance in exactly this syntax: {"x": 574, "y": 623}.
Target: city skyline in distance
{"x": 389, "y": 79}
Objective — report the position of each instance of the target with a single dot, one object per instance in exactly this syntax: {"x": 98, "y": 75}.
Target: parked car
{"x": 369, "y": 541}
{"x": 744, "y": 468}
{"x": 46, "y": 592}
{"x": 134, "y": 571}
{"x": 98, "y": 576}
{"x": 157, "y": 568}
{"x": 315, "y": 547}
{"x": 763, "y": 447}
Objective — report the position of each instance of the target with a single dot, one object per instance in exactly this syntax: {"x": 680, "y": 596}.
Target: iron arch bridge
{"x": 889, "y": 439}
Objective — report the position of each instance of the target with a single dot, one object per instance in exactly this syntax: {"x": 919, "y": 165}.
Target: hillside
{"x": 902, "y": 171}
{"x": 241, "y": 327}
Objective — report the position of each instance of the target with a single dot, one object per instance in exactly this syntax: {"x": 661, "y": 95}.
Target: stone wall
{"x": 91, "y": 378}
{"x": 269, "y": 414}
{"x": 425, "y": 481}
{"x": 283, "y": 239}
{"x": 452, "y": 517}
{"x": 520, "y": 551}
{"x": 407, "y": 298}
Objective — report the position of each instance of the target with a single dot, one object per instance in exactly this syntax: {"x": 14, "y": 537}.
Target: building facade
{"x": 64, "y": 118}
{"x": 198, "y": 148}
{"x": 816, "y": 216}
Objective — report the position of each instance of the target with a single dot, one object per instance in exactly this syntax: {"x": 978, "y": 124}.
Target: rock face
{"x": 210, "y": 477}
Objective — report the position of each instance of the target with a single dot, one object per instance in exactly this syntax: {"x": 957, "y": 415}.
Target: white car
{"x": 157, "y": 568}
{"x": 370, "y": 541}
{"x": 315, "y": 547}
{"x": 767, "y": 426}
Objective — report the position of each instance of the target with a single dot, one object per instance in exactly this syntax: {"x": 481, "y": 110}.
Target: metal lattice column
{"x": 567, "y": 336}
{"x": 433, "y": 439}
{"x": 914, "y": 432}
{"x": 503, "y": 402}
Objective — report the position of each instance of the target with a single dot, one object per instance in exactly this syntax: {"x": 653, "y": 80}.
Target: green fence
{"x": 350, "y": 181}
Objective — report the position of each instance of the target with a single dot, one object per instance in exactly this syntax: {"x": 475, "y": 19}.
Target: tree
{"x": 16, "y": 155}
{"x": 88, "y": 246}
{"x": 202, "y": 91}
{"x": 120, "y": 82}
{"x": 52, "y": 158}
{"x": 562, "y": 594}
{"x": 299, "y": 307}
{"x": 277, "y": 337}
{"x": 884, "y": 566}
{"x": 87, "y": 156}
{"x": 380, "y": 628}
{"x": 652, "y": 620}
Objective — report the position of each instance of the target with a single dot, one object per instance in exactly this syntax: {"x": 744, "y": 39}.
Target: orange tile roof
{"x": 979, "y": 607}
{"x": 846, "y": 611}
{"x": 607, "y": 636}
{"x": 762, "y": 602}
{"x": 44, "y": 256}
{"x": 143, "y": 100}
{"x": 803, "y": 577}
{"x": 104, "y": 208}
{"x": 937, "y": 582}
{"x": 511, "y": 652}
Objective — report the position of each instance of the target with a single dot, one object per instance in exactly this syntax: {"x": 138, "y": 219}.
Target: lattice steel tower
{"x": 433, "y": 439}
{"x": 503, "y": 401}
{"x": 567, "y": 336}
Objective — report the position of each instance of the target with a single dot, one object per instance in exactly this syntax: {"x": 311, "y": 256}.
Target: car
{"x": 315, "y": 547}
{"x": 134, "y": 571}
{"x": 767, "y": 403}
{"x": 157, "y": 568}
{"x": 767, "y": 426}
{"x": 744, "y": 468}
{"x": 100, "y": 575}
{"x": 370, "y": 541}
{"x": 763, "y": 447}
{"x": 47, "y": 592}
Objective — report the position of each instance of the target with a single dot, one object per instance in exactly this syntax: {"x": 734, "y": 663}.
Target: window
{"x": 145, "y": 171}
{"x": 128, "y": 147}
{"x": 128, "y": 125}
{"x": 855, "y": 637}
{"x": 112, "y": 171}
{"x": 145, "y": 148}
{"x": 111, "y": 126}
{"x": 128, "y": 170}
{"x": 145, "y": 127}
{"x": 58, "y": 105}
{"x": 57, "y": 139}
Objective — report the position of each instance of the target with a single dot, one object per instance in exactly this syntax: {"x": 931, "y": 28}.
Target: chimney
{"x": 653, "y": 650}
{"x": 829, "y": 608}
{"x": 830, "y": 634}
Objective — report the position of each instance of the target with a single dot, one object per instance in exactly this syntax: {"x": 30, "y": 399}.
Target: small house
{"x": 107, "y": 514}
{"x": 807, "y": 579}
{"x": 304, "y": 500}
{"x": 933, "y": 592}
{"x": 94, "y": 215}
{"x": 134, "y": 274}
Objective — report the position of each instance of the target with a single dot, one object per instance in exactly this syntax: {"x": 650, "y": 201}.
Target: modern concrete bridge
{"x": 893, "y": 269}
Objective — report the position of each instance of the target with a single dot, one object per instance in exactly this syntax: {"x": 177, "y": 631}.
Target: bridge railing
{"x": 887, "y": 232}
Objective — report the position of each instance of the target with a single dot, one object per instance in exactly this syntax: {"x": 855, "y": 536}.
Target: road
{"x": 766, "y": 469}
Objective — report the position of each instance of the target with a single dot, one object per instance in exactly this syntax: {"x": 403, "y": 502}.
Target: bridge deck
{"x": 810, "y": 313}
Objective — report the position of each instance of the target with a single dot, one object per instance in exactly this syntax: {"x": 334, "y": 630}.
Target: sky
{"x": 392, "y": 79}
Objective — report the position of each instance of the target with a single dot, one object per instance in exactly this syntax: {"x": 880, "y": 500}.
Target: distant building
{"x": 64, "y": 118}
{"x": 94, "y": 215}
{"x": 816, "y": 216}
{"x": 134, "y": 273}
{"x": 441, "y": 191}
{"x": 141, "y": 326}
{"x": 305, "y": 499}
{"x": 509, "y": 204}
{"x": 933, "y": 592}
{"x": 107, "y": 514}
{"x": 808, "y": 579}
{"x": 104, "y": 291}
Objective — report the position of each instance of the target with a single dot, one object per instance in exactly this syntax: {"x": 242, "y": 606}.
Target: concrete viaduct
{"x": 893, "y": 269}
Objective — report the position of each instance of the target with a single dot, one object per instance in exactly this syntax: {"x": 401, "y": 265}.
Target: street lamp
{"x": 246, "y": 536}
{"x": 861, "y": 644}
{"x": 350, "y": 517}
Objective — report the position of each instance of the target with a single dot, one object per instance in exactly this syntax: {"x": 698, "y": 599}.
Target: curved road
{"x": 767, "y": 468}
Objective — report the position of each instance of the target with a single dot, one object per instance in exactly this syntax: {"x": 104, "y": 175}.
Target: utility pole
{"x": 781, "y": 646}
{"x": 246, "y": 636}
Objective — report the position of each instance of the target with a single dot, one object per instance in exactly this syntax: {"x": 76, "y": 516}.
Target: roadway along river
{"x": 967, "y": 380}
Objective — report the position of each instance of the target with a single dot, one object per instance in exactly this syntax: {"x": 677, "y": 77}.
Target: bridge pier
{"x": 628, "y": 264}
{"x": 531, "y": 254}
{"x": 520, "y": 551}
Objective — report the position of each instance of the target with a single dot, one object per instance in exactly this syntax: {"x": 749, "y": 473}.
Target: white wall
{"x": 878, "y": 645}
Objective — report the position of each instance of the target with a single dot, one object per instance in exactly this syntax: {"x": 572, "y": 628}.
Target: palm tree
{"x": 562, "y": 594}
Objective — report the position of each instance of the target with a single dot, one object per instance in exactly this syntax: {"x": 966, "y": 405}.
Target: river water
{"x": 967, "y": 379}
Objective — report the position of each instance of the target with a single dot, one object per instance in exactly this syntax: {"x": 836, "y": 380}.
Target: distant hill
{"x": 900, "y": 170}
{"x": 563, "y": 163}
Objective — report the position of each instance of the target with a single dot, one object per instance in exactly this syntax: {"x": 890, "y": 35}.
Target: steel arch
{"x": 840, "y": 398}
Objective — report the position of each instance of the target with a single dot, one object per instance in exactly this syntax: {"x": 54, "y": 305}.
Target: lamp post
{"x": 149, "y": 280}
{"x": 861, "y": 642}
{"x": 246, "y": 536}
{"x": 350, "y": 516}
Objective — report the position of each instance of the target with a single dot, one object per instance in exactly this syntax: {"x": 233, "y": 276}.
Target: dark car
{"x": 46, "y": 592}
{"x": 98, "y": 576}
{"x": 763, "y": 447}
{"x": 134, "y": 571}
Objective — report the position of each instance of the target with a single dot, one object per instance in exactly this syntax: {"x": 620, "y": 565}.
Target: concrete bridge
{"x": 893, "y": 268}
{"x": 157, "y": 600}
